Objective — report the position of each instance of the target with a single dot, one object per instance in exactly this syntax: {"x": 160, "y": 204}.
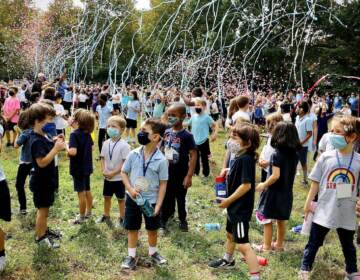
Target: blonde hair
{"x": 272, "y": 120}
{"x": 118, "y": 120}
{"x": 200, "y": 100}
{"x": 349, "y": 123}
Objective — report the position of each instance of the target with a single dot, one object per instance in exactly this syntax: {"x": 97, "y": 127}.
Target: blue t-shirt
{"x": 132, "y": 106}
{"x": 200, "y": 126}
{"x": 24, "y": 141}
{"x": 157, "y": 171}
{"x": 68, "y": 96}
{"x": 62, "y": 88}
{"x": 104, "y": 114}
{"x": 81, "y": 164}
{"x": 303, "y": 126}
{"x": 158, "y": 110}
{"x": 124, "y": 100}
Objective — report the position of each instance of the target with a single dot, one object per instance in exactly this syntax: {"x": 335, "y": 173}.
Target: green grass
{"x": 93, "y": 251}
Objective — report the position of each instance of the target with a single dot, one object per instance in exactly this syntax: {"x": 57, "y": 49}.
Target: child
{"x": 25, "y": 165}
{"x": 268, "y": 150}
{"x": 133, "y": 110}
{"x": 60, "y": 122}
{"x": 11, "y": 114}
{"x": 103, "y": 111}
{"x": 180, "y": 151}
{"x": 145, "y": 173}
{"x": 335, "y": 177}
{"x": 43, "y": 177}
{"x": 200, "y": 124}
{"x": 277, "y": 191}
{"x": 5, "y": 210}
{"x": 113, "y": 155}
{"x": 81, "y": 165}
{"x": 240, "y": 200}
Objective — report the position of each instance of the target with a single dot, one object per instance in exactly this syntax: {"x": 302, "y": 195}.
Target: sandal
{"x": 260, "y": 248}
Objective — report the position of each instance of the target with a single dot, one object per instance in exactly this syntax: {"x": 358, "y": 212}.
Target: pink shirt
{"x": 10, "y": 106}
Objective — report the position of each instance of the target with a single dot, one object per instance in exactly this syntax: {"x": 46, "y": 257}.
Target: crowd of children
{"x": 152, "y": 178}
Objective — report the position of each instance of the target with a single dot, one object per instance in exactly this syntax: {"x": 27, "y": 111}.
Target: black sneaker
{"x": 183, "y": 226}
{"x": 129, "y": 263}
{"x": 221, "y": 263}
{"x": 103, "y": 219}
{"x": 157, "y": 259}
{"x": 56, "y": 234}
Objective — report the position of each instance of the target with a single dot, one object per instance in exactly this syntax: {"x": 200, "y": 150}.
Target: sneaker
{"x": 157, "y": 259}
{"x": 9, "y": 144}
{"x": 55, "y": 234}
{"x": 103, "y": 219}
{"x": 121, "y": 223}
{"x": 48, "y": 242}
{"x": 219, "y": 263}
{"x": 88, "y": 216}
{"x": 353, "y": 276}
{"x": 129, "y": 263}
{"x": 183, "y": 226}
{"x": 162, "y": 231}
{"x": 2, "y": 263}
{"x": 304, "y": 275}
{"x": 23, "y": 212}
{"x": 78, "y": 220}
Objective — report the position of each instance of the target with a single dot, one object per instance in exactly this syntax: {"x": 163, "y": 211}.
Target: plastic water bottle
{"x": 308, "y": 222}
{"x": 212, "y": 227}
{"x": 145, "y": 206}
{"x": 220, "y": 188}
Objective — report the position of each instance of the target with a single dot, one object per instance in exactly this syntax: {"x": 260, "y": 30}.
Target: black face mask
{"x": 143, "y": 138}
{"x": 198, "y": 110}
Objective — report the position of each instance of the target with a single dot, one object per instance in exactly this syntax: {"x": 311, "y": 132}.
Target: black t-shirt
{"x": 242, "y": 172}
{"x": 81, "y": 164}
{"x": 37, "y": 86}
{"x": 42, "y": 178}
{"x": 182, "y": 142}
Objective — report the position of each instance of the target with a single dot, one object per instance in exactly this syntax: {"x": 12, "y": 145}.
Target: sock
{"x": 152, "y": 250}
{"x": 255, "y": 276}
{"x": 132, "y": 252}
{"x": 228, "y": 257}
{"x": 2, "y": 253}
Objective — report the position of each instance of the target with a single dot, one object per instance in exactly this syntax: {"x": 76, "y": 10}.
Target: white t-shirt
{"x": 116, "y": 98}
{"x": 83, "y": 97}
{"x": 241, "y": 114}
{"x": 325, "y": 144}
{"x": 118, "y": 152}
{"x": 266, "y": 153}
{"x": 59, "y": 120}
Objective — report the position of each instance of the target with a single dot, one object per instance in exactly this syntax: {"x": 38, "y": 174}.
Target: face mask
{"x": 113, "y": 132}
{"x": 158, "y": 101}
{"x": 49, "y": 128}
{"x": 198, "y": 110}
{"x": 234, "y": 147}
{"x": 338, "y": 141}
{"x": 131, "y": 98}
{"x": 172, "y": 121}
{"x": 143, "y": 138}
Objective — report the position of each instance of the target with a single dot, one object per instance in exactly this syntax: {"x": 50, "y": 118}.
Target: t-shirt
{"x": 68, "y": 96}
{"x": 118, "y": 151}
{"x": 42, "y": 179}
{"x": 81, "y": 164}
{"x": 241, "y": 172}
{"x": 104, "y": 114}
{"x": 10, "y": 106}
{"x": 332, "y": 212}
{"x": 200, "y": 125}
{"x": 182, "y": 142}
{"x": 82, "y": 97}
{"x": 157, "y": 171}
{"x": 325, "y": 144}
{"x": 267, "y": 152}
{"x": 158, "y": 110}
{"x": 132, "y": 106}
{"x": 241, "y": 114}
{"x": 313, "y": 119}
{"x": 303, "y": 126}
{"x": 59, "y": 120}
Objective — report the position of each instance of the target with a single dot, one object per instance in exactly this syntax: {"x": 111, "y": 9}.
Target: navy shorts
{"x": 114, "y": 187}
{"x": 133, "y": 217}
{"x": 131, "y": 123}
{"x": 81, "y": 183}
{"x": 303, "y": 155}
{"x": 239, "y": 231}
{"x": 44, "y": 198}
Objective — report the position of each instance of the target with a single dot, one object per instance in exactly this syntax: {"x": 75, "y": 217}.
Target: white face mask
{"x": 234, "y": 147}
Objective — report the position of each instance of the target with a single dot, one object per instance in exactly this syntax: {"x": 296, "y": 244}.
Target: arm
{"x": 314, "y": 189}
{"x": 72, "y": 152}
{"x": 188, "y": 101}
{"x": 225, "y": 168}
{"x": 45, "y": 161}
{"x": 240, "y": 191}
{"x": 159, "y": 202}
{"x": 271, "y": 180}
{"x": 308, "y": 136}
{"x": 125, "y": 177}
{"x": 213, "y": 135}
{"x": 315, "y": 130}
{"x": 188, "y": 179}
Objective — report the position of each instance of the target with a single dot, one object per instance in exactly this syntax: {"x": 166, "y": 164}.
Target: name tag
{"x": 169, "y": 153}
{"x": 343, "y": 190}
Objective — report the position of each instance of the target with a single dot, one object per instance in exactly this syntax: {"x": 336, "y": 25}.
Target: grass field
{"x": 93, "y": 251}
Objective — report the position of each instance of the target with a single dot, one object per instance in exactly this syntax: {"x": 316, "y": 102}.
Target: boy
{"x": 113, "y": 154}
{"x": 145, "y": 172}
{"x": 179, "y": 147}
{"x": 200, "y": 124}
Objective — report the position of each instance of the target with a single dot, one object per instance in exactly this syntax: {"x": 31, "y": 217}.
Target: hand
{"x": 225, "y": 202}
{"x": 107, "y": 174}
{"x": 224, "y": 172}
{"x": 134, "y": 193}
{"x": 260, "y": 187}
{"x": 358, "y": 208}
{"x": 187, "y": 183}
{"x": 157, "y": 210}
{"x": 60, "y": 145}
{"x": 263, "y": 163}
{"x": 17, "y": 129}
{"x": 308, "y": 209}
{"x": 212, "y": 138}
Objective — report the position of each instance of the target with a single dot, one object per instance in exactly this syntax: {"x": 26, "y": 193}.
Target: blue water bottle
{"x": 212, "y": 227}
{"x": 145, "y": 206}
{"x": 220, "y": 188}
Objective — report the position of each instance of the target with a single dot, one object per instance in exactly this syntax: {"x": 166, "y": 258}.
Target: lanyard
{"x": 111, "y": 151}
{"x": 351, "y": 159}
{"x": 145, "y": 166}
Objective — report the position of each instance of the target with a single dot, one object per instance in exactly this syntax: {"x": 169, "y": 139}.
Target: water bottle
{"x": 145, "y": 206}
{"x": 212, "y": 227}
{"x": 308, "y": 222}
{"x": 220, "y": 188}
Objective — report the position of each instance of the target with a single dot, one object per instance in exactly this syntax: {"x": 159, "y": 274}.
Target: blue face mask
{"x": 338, "y": 141}
{"x": 113, "y": 132}
{"x": 50, "y": 129}
{"x": 172, "y": 121}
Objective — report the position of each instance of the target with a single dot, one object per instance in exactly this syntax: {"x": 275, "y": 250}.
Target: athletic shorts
{"x": 43, "y": 198}
{"x": 131, "y": 123}
{"x": 239, "y": 231}
{"x": 133, "y": 217}
{"x": 114, "y": 187}
{"x": 81, "y": 183}
{"x": 303, "y": 155}
{"x": 5, "y": 205}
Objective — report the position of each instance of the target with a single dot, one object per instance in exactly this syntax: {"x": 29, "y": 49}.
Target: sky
{"x": 140, "y": 4}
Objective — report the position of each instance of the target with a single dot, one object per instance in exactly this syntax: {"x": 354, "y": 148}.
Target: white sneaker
{"x": 2, "y": 263}
{"x": 48, "y": 242}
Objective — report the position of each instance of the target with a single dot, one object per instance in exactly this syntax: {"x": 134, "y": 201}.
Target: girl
{"x": 81, "y": 165}
{"x": 335, "y": 177}
{"x": 60, "y": 122}
{"x": 23, "y": 140}
{"x": 103, "y": 111}
{"x": 11, "y": 111}
{"x": 133, "y": 110}
{"x": 240, "y": 201}
{"x": 43, "y": 179}
{"x": 277, "y": 196}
